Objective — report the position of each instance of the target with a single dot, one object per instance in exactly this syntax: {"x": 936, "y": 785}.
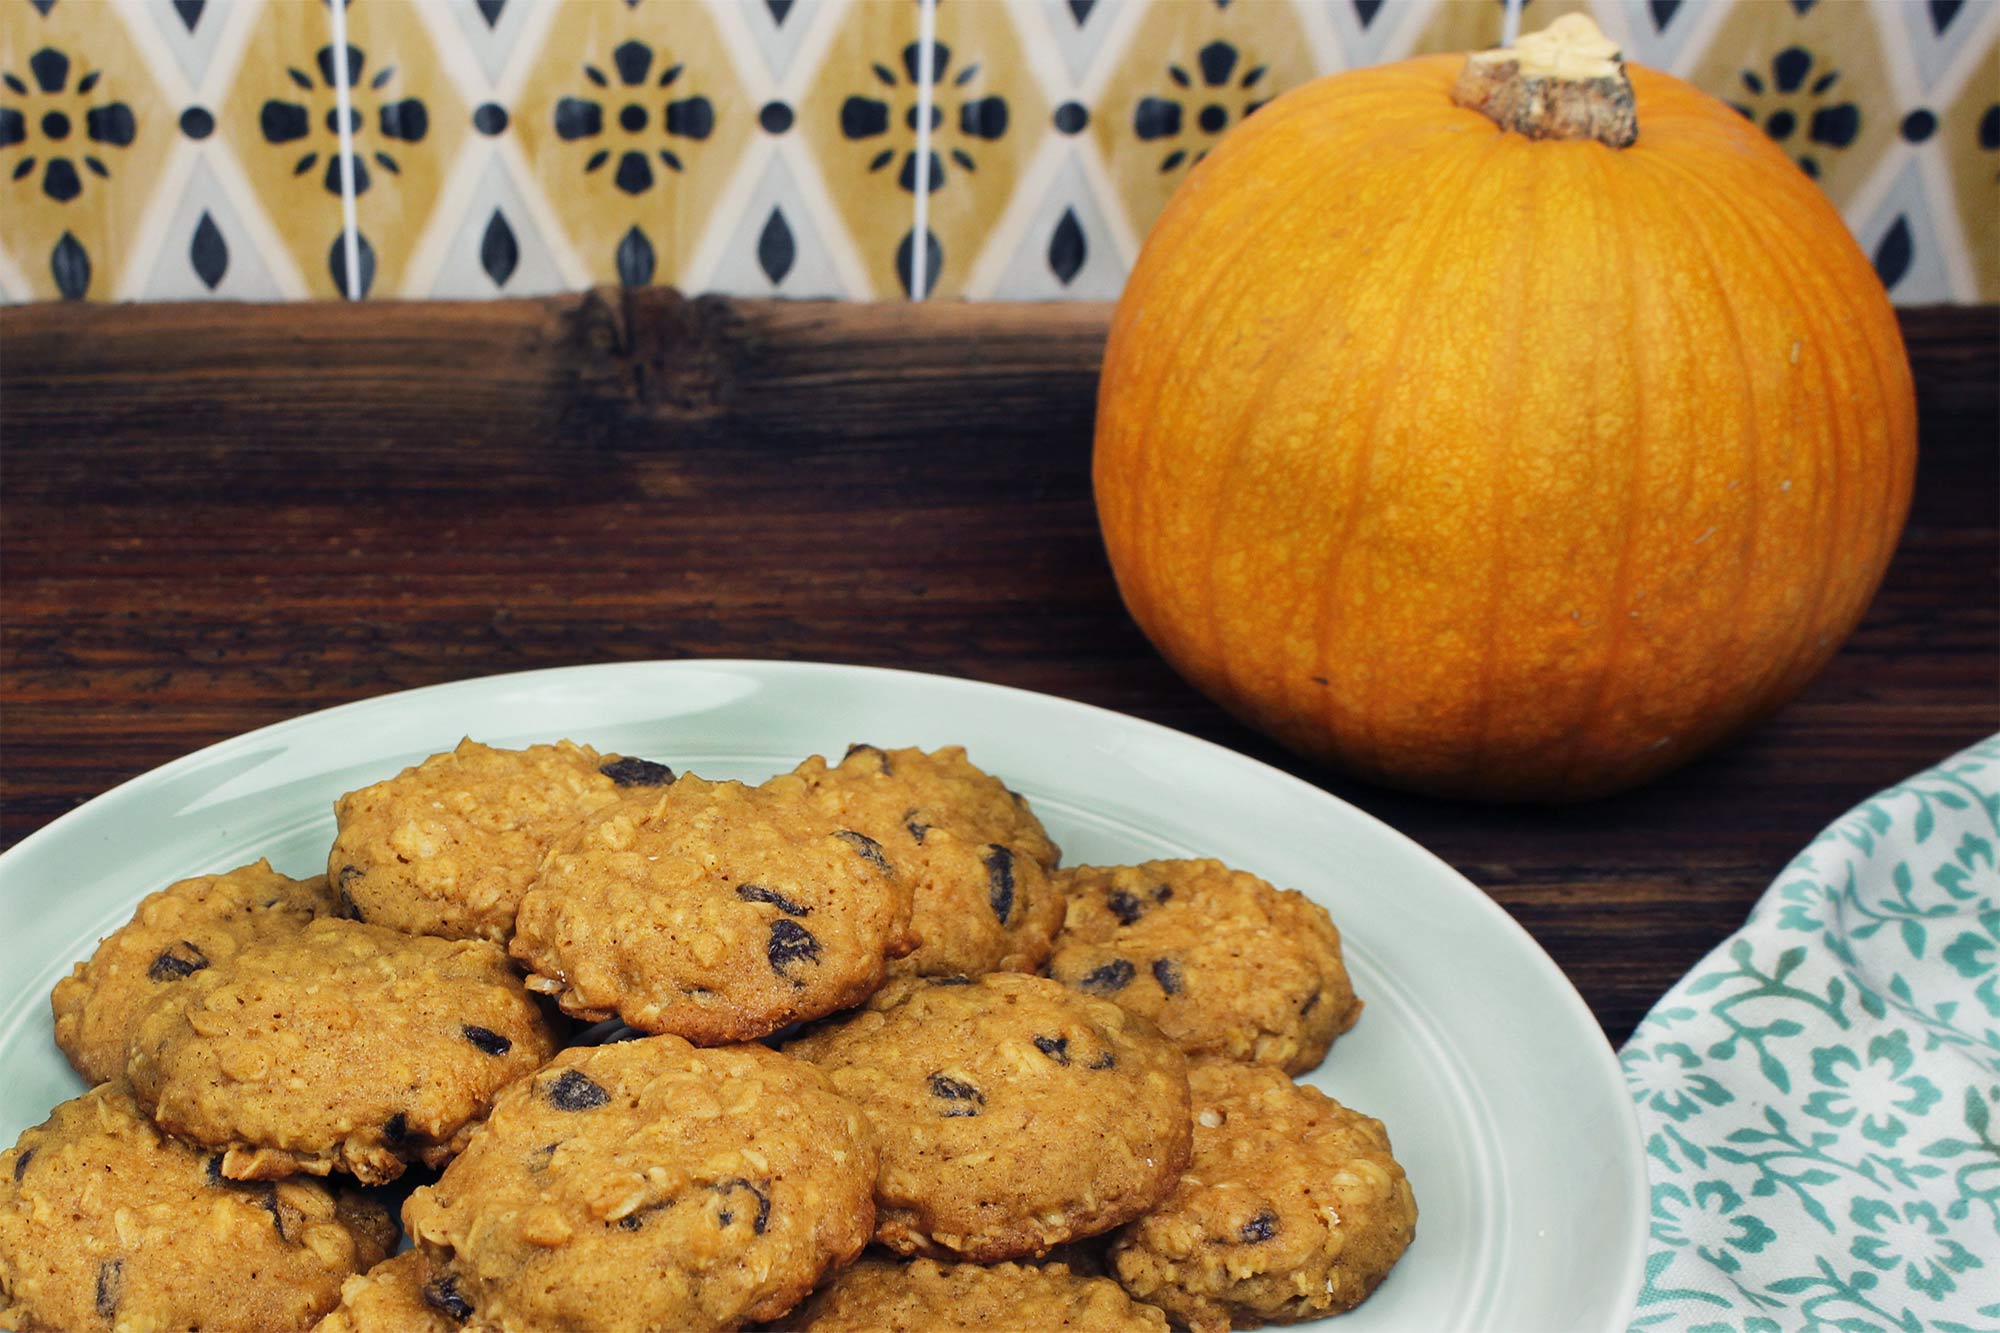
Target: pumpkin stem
{"x": 1564, "y": 82}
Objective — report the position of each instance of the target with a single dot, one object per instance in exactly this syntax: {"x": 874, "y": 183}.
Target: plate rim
{"x": 1603, "y": 1060}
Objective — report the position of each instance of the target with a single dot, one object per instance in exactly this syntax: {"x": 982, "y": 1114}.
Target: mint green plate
{"x": 1498, "y": 1088}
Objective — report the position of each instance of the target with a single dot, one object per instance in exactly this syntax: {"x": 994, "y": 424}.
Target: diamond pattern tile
{"x": 207, "y": 251}
{"x": 857, "y": 119}
{"x": 1191, "y": 71}
{"x": 775, "y": 248}
{"x": 633, "y": 119}
{"x": 989, "y": 115}
{"x": 84, "y": 125}
{"x": 277, "y": 122}
{"x": 1970, "y": 142}
{"x": 1814, "y": 80}
{"x": 495, "y": 246}
{"x": 408, "y": 122}
{"x": 192, "y": 149}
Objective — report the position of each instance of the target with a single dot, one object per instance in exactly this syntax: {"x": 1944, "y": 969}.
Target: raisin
{"x": 397, "y": 1128}
{"x": 1162, "y": 893}
{"x": 215, "y": 1169}
{"x": 110, "y": 1286}
{"x": 966, "y": 1099}
{"x": 172, "y": 966}
{"x": 442, "y": 1294}
{"x": 999, "y": 880}
{"x": 1113, "y": 976}
{"x": 917, "y": 826}
{"x": 486, "y": 1039}
{"x": 1312, "y": 1003}
{"x": 539, "y": 1159}
{"x": 757, "y": 893}
{"x": 882, "y": 764}
{"x": 1104, "y": 1060}
{"x": 728, "y": 1215}
{"x": 1056, "y": 1048}
{"x": 1168, "y": 973}
{"x": 1260, "y": 1228}
{"x": 636, "y": 772}
{"x": 574, "y": 1091}
{"x": 21, "y": 1164}
{"x": 869, "y": 849}
{"x": 1124, "y": 906}
{"x": 267, "y": 1198}
{"x": 790, "y": 942}
{"x": 347, "y": 909}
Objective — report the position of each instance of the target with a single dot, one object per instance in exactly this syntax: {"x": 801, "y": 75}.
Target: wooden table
{"x": 214, "y": 517}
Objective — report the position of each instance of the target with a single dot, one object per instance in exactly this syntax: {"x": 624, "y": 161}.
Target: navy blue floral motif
{"x": 397, "y": 120}
{"x": 1188, "y": 119}
{"x": 1798, "y": 105}
{"x": 961, "y": 119}
{"x": 634, "y": 130}
{"x": 66, "y": 128}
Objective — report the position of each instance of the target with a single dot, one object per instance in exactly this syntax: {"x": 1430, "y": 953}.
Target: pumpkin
{"x": 1514, "y": 426}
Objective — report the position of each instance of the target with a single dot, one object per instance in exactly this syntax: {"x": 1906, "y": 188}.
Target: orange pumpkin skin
{"x": 1499, "y": 467}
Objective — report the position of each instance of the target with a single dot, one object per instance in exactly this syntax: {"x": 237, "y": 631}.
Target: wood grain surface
{"x": 214, "y": 517}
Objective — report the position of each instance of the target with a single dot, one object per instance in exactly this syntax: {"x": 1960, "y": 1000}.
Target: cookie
{"x": 448, "y": 847}
{"x": 652, "y": 1184}
{"x": 1013, "y": 1114}
{"x": 1292, "y": 1208}
{"x": 177, "y": 932}
{"x": 400, "y": 1295}
{"x": 1225, "y": 964}
{"x": 713, "y": 911}
{"x": 106, "y": 1222}
{"x": 340, "y": 1046}
{"x": 881, "y": 1295}
{"x": 976, "y": 858}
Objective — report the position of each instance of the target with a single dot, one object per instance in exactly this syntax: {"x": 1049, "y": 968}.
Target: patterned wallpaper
{"x": 178, "y": 149}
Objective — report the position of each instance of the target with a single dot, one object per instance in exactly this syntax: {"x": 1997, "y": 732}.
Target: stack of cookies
{"x": 850, "y": 1049}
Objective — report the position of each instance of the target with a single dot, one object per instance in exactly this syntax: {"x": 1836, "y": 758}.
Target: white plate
{"x": 1497, "y": 1086}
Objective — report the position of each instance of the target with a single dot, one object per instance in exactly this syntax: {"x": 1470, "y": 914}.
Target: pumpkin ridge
{"x": 1588, "y": 718}
{"x": 1279, "y": 366}
{"x": 1810, "y": 654}
{"x": 1610, "y": 634}
{"x": 1139, "y": 521}
{"x": 1773, "y": 685}
{"x": 1223, "y": 321}
{"x": 1776, "y": 683}
{"x": 1520, "y": 245}
{"x": 1216, "y": 325}
{"x": 1714, "y": 689}
{"x": 1366, "y": 746}
{"x": 1887, "y": 356}
{"x": 1145, "y": 521}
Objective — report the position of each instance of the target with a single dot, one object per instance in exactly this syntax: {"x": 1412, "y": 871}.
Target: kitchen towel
{"x": 1820, "y": 1096}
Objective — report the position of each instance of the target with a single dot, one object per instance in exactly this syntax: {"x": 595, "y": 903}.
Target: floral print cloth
{"x": 1820, "y": 1097}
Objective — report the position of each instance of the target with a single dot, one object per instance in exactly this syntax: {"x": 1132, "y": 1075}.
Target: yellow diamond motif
{"x": 84, "y": 132}
{"x": 633, "y": 121}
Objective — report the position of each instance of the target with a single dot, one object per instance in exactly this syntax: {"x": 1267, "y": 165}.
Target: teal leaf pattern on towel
{"x": 1820, "y": 1097}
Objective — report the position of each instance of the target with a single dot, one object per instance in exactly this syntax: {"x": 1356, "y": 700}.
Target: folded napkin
{"x": 1820, "y": 1097}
